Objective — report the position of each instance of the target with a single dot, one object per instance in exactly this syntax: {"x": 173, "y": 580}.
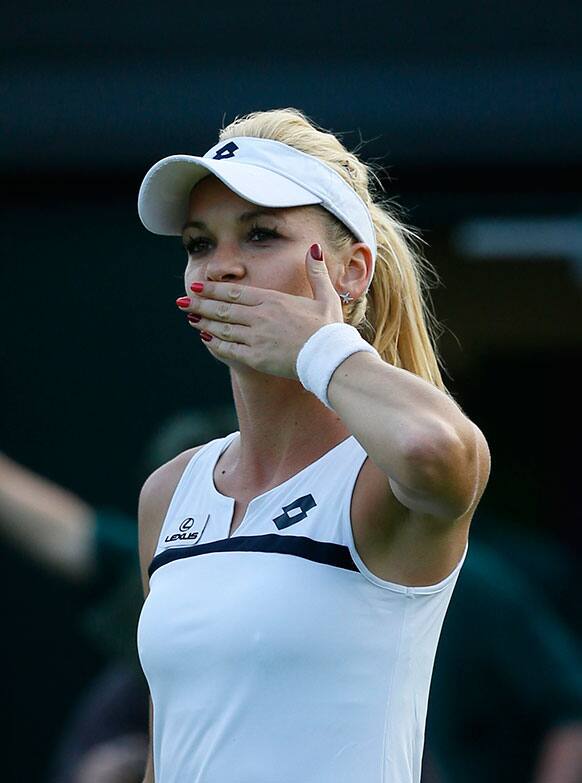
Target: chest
{"x": 238, "y": 514}
{"x": 241, "y": 497}
{"x": 371, "y": 503}
{"x": 326, "y": 502}
{"x": 233, "y": 609}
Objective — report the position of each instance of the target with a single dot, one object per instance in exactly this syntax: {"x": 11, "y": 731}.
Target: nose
{"x": 225, "y": 265}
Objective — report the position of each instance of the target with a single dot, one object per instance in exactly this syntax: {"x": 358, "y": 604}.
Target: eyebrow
{"x": 244, "y": 218}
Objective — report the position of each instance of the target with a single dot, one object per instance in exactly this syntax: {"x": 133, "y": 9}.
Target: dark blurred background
{"x": 474, "y": 114}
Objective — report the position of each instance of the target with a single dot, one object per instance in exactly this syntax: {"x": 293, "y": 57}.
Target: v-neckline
{"x": 232, "y": 500}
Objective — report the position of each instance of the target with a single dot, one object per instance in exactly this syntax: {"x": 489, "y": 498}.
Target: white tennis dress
{"x": 275, "y": 655}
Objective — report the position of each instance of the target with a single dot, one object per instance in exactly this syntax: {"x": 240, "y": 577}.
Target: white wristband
{"x": 325, "y": 350}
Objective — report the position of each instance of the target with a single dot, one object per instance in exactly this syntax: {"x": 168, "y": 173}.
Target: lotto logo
{"x": 226, "y": 152}
{"x": 295, "y": 512}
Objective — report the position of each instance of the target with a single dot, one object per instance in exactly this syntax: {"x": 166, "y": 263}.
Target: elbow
{"x": 437, "y": 448}
{"x": 445, "y": 466}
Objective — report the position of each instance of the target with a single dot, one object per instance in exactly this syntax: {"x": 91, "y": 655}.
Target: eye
{"x": 195, "y": 245}
{"x": 262, "y": 234}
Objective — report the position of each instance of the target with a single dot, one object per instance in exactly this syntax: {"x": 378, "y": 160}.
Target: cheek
{"x": 302, "y": 282}
{"x": 292, "y": 274}
{"x": 191, "y": 272}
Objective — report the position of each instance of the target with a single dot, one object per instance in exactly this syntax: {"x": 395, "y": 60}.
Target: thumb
{"x": 317, "y": 273}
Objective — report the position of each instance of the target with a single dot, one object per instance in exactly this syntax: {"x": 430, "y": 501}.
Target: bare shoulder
{"x": 403, "y": 546}
{"x": 154, "y": 499}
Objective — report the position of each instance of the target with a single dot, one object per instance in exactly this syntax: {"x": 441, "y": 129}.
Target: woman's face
{"x": 233, "y": 240}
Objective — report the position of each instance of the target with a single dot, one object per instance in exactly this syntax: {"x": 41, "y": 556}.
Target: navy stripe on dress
{"x": 300, "y": 546}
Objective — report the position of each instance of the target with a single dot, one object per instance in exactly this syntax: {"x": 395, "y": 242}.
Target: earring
{"x": 346, "y": 297}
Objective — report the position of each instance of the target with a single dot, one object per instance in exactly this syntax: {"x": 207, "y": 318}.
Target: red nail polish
{"x": 183, "y": 301}
{"x": 193, "y": 318}
{"x": 197, "y": 288}
{"x": 206, "y": 337}
{"x": 316, "y": 251}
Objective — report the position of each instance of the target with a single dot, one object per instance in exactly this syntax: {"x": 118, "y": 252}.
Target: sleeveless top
{"x": 274, "y": 655}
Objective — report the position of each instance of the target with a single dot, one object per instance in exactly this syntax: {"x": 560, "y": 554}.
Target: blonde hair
{"x": 394, "y": 316}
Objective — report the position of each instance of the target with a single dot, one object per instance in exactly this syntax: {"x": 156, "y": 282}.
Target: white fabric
{"x": 264, "y": 172}
{"x": 322, "y": 354}
{"x": 270, "y": 667}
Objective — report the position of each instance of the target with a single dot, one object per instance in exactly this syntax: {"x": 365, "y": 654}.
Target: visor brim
{"x": 164, "y": 193}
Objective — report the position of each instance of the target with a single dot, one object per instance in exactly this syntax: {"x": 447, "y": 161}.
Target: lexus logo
{"x": 186, "y": 535}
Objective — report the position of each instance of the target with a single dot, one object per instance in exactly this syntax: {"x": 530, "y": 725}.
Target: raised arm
{"x": 46, "y": 521}
{"x": 560, "y": 759}
{"x": 436, "y": 459}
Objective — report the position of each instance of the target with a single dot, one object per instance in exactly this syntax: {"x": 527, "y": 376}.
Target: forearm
{"x": 561, "y": 756}
{"x": 149, "y": 771}
{"x": 45, "y": 520}
{"x": 413, "y": 431}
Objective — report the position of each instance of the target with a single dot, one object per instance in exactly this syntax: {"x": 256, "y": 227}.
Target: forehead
{"x": 211, "y": 192}
{"x": 210, "y": 198}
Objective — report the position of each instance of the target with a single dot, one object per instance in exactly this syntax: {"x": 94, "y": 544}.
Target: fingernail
{"x": 316, "y": 251}
{"x": 183, "y": 301}
{"x": 193, "y": 318}
{"x": 197, "y": 287}
{"x": 206, "y": 337}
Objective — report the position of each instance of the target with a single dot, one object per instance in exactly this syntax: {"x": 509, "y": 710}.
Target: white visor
{"x": 264, "y": 172}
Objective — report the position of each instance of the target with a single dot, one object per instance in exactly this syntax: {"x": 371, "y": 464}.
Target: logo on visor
{"x": 226, "y": 152}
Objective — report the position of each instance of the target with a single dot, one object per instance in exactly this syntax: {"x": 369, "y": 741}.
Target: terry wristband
{"x": 325, "y": 350}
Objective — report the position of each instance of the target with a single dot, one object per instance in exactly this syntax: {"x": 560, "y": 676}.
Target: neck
{"x": 282, "y": 426}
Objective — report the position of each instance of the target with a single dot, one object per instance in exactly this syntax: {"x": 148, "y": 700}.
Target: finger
{"x": 229, "y": 292}
{"x": 318, "y": 275}
{"x": 223, "y": 349}
{"x": 223, "y": 331}
{"x": 218, "y": 310}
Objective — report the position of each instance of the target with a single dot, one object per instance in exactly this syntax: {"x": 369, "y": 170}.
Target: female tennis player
{"x": 298, "y": 571}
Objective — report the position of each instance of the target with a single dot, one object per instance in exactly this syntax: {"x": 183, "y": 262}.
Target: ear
{"x": 355, "y": 270}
